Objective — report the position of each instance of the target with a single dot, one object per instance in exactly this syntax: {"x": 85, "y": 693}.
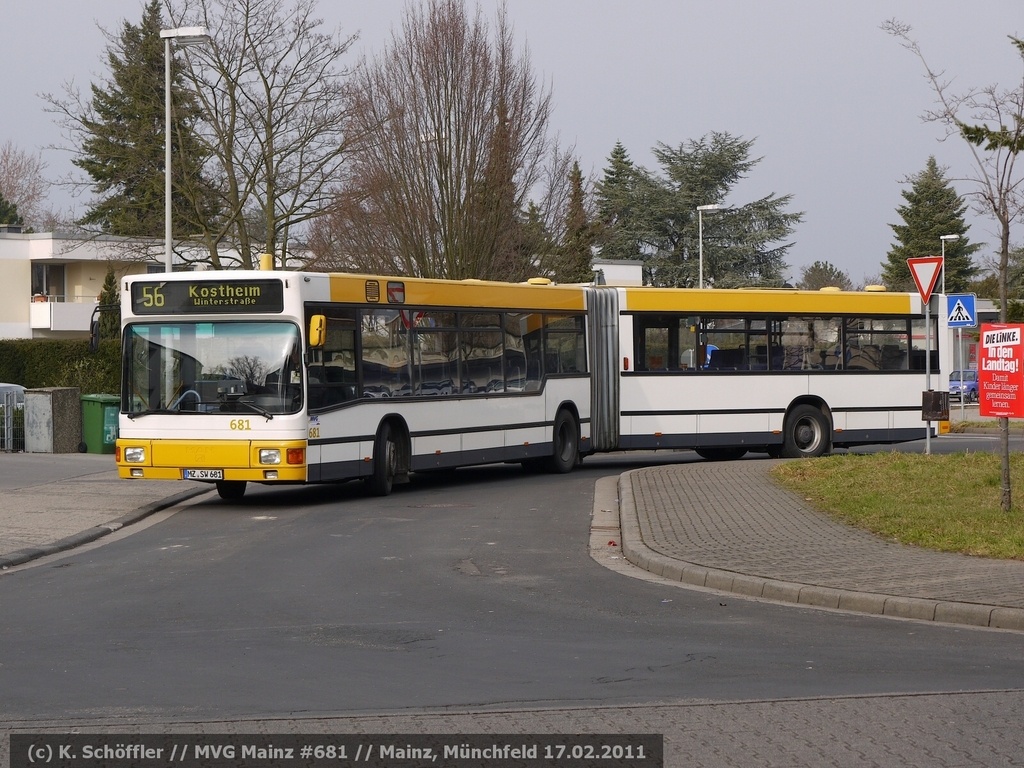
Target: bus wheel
{"x": 807, "y": 433}
{"x": 566, "y": 443}
{"x": 231, "y": 490}
{"x": 728, "y": 453}
{"x": 385, "y": 462}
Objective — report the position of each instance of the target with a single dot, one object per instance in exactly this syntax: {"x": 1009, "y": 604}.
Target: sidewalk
{"x": 715, "y": 525}
{"x": 50, "y": 502}
{"x": 726, "y": 526}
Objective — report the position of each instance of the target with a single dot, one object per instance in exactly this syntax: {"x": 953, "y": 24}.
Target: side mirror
{"x": 94, "y": 329}
{"x": 317, "y": 330}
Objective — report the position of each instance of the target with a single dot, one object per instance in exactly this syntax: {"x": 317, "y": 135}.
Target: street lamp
{"x": 184, "y": 37}
{"x": 944, "y": 238}
{"x": 958, "y": 358}
{"x": 700, "y": 239}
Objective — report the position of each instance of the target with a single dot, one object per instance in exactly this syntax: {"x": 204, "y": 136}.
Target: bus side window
{"x": 332, "y": 377}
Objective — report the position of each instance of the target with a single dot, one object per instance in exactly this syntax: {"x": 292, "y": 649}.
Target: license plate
{"x": 203, "y": 474}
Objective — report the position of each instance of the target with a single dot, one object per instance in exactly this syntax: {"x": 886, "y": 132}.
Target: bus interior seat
{"x": 893, "y": 358}
{"x": 866, "y": 357}
{"x": 726, "y": 359}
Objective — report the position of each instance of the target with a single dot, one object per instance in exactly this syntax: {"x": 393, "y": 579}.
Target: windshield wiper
{"x": 133, "y": 415}
{"x": 253, "y": 407}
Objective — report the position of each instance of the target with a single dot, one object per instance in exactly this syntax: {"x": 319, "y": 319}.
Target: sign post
{"x": 925, "y": 271}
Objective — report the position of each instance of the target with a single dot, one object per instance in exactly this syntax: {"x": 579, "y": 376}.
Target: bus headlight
{"x": 270, "y": 455}
{"x": 135, "y": 455}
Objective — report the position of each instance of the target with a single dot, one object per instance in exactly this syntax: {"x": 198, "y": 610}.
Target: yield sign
{"x": 925, "y": 271}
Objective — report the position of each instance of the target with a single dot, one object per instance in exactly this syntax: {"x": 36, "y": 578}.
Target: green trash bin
{"x": 99, "y": 422}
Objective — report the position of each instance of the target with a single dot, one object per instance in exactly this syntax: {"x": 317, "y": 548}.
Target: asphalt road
{"x": 469, "y": 604}
{"x": 470, "y": 592}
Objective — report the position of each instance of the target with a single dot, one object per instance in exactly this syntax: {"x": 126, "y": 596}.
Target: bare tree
{"x": 23, "y": 183}
{"x": 453, "y": 136}
{"x": 996, "y": 179}
{"x": 275, "y": 119}
{"x": 250, "y": 368}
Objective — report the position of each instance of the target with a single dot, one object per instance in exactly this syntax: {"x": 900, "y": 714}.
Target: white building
{"x": 618, "y": 271}
{"x": 50, "y": 282}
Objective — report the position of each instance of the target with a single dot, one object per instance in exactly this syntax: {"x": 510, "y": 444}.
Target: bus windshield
{"x": 212, "y": 367}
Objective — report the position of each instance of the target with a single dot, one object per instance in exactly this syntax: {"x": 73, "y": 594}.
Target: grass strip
{"x": 948, "y": 502}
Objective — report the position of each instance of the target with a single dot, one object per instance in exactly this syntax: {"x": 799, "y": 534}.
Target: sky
{"x": 832, "y": 103}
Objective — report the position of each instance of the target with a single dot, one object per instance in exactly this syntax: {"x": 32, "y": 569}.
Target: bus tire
{"x": 385, "y": 462}
{"x": 565, "y": 444}
{"x": 807, "y": 433}
{"x": 231, "y": 490}
{"x": 725, "y": 453}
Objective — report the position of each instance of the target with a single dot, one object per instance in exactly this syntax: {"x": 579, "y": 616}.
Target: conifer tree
{"x": 823, "y": 274}
{"x": 576, "y": 254}
{"x": 535, "y": 244}
{"x": 932, "y": 209}
{"x": 617, "y": 227}
{"x": 654, "y": 217}
{"x": 123, "y": 136}
{"x": 109, "y": 300}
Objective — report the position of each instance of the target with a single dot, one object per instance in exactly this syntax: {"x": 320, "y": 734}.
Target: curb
{"x": 22, "y": 556}
{"x": 636, "y": 551}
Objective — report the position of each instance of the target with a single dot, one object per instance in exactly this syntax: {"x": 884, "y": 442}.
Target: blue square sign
{"x": 961, "y": 311}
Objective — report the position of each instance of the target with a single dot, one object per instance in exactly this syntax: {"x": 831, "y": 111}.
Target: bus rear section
{"x": 791, "y": 373}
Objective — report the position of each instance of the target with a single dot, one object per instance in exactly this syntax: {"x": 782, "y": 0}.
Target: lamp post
{"x": 943, "y": 239}
{"x": 958, "y": 358}
{"x": 184, "y": 37}
{"x": 700, "y": 240}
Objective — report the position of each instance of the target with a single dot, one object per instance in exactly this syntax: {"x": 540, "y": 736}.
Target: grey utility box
{"x": 53, "y": 420}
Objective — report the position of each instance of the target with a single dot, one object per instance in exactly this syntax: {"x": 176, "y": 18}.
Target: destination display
{"x": 207, "y": 296}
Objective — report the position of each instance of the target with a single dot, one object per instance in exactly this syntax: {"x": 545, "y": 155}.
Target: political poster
{"x": 1001, "y": 371}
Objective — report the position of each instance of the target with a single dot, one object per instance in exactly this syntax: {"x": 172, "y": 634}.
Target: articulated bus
{"x": 291, "y": 377}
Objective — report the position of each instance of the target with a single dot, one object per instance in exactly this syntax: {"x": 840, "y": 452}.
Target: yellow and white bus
{"x": 291, "y": 377}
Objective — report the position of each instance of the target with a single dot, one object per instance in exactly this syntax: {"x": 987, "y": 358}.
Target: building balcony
{"x": 54, "y": 313}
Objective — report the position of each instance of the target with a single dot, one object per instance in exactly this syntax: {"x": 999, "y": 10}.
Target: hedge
{"x": 37, "y": 363}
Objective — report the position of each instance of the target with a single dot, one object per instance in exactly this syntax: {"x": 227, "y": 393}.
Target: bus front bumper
{"x": 212, "y": 460}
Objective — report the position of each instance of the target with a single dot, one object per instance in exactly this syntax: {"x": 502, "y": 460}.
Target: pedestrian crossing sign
{"x": 960, "y": 311}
